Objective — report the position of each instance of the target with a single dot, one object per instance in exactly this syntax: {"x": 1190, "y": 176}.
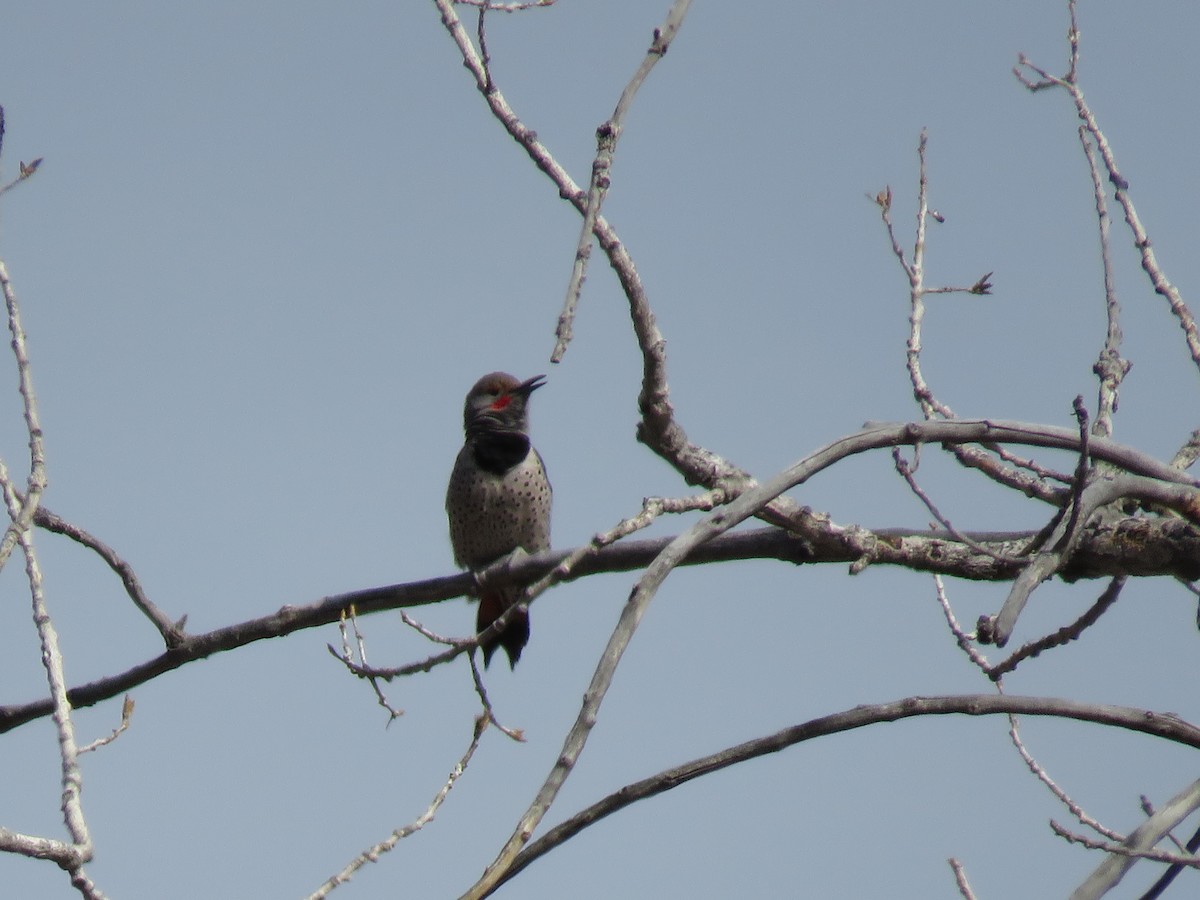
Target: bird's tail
{"x": 515, "y": 634}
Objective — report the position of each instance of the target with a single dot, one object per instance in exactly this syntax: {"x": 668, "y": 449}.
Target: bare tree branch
{"x": 1140, "y": 843}
{"x": 960, "y": 879}
{"x": 1030, "y": 482}
{"x": 36, "y": 482}
{"x": 1141, "y": 240}
{"x": 908, "y": 473}
{"x": 1188, "y": 453}
{"x": 1159, "y": 887}
{"x": 1110, "y": 368}
{"x": 1040, "y": 773}
{"x": 506, "y": 7}
{"x": 26, "y": 169}
{"x": 70, "y": 856}
{"x": 1063, "y": 635}
{"x": 607, "y": 136}
{"x": 360, "y": 667}
{"x": 1064, "y": 539}
{"x": 372, "y": 854}
{"x": 172, "y": 632}
{"x": 1164, "y": 725}
{"x": 122, "y": 727}
{"x": 1115, "y": 548}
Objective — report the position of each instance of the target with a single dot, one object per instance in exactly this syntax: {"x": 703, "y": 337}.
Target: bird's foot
{"x": 487, "y": 576}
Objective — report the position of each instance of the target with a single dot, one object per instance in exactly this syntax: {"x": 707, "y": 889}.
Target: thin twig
{"x": 1043, "y": 473}
{"x": 26, "y": 169}
{"x": 373, "y": 853}
{"x": 1063, "y": 635}
{"x": 1141, "y": 240}
{"x": 364, "y": 670}
{"x": 428, "y": 634}
{"x": 489, "y": 711}
{"x": 966, "y": 642}
{"x": 36, "y": 482}
{"x": 1079, "y": 482}
{"x": 1115, "y": 848}
{"x": 1110, "y": 367}
{"x": 1188, "y": 453}
{"x": 172, "y": 632}
{"x": 390, "y": 672}
{"x": 931, "y": 406}
{"x": 607, "y": 136}
{"x": 1148, "y": 809}
{"x": 652, "y": 508}
{"x": 908, "y": 473}
{"x": 126, "y": 717}
{"x": 485, "y": 58}
{"x": 1062, "y": 796}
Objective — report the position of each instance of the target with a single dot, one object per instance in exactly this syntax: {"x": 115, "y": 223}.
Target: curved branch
{"x": 1161, "y": 725}
{"x": 172, "y": 632}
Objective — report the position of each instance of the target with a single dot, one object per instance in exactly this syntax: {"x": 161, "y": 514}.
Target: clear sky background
{"x": 273, "y": 244}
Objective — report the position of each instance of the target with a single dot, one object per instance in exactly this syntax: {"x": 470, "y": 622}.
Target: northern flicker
{"x": 499, "y": 498}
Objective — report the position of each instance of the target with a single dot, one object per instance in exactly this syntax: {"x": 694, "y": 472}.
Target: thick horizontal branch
{"x": 1163, "y": 725}
{"x": 1133, "y": 546}
{"x": 328, "y": 610}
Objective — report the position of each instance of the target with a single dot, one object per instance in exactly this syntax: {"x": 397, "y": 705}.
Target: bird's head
{"x": 499, "y": 402}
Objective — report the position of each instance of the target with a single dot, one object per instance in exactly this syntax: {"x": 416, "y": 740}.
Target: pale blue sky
{"x": 271, "y": 247}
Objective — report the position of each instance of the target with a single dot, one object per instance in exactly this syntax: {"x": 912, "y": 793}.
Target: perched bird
{"x": 499, "y": 498}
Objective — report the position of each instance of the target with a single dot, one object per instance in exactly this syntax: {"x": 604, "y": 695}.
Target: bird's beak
{"x": 527, "y": 387}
